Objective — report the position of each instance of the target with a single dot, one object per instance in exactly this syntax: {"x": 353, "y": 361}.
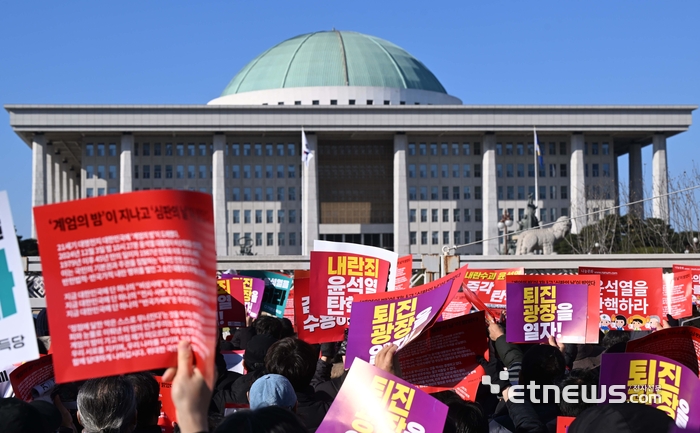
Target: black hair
{"x": 542, "y": 364}
{"x": 268, "y": 325}
{"x": 614, "y": 337}
{"x": 287, "y": 328}
{"x": 146, "y": 390}
{"x": 270, "y": 419}
{"x": 107, "y": 405}
{"x": 578, "y": 378}
{"x": 293, "y": 359}
{"x": 462, "y": 416}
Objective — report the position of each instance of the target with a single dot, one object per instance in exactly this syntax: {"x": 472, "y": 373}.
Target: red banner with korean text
{"x": 678, "y": 294}
{"x": 682, "y": 344}
{"x": 630, "y": 299}
{"x": 695, "y": 272}
{"x": 404, "y": 270}
{"x": 33, "y": 379}
{"x": 459, "y": 306}
{"x": 336, "y": 277}
{"x": 231, "y": 302}
{"x": 490, "y": 285}
{"x": 310, "y": 328}
{"x": 127, "y": 277}
{"x": 444, "y": 356}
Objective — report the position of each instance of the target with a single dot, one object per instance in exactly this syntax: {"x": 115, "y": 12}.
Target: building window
{"x": 433, "y": 149}
{"x": 257, "y": 170}
{"x": 467, "y": 193}
{"x": 455, "y": 193}
{"x": 411, "y": 170}
{"x": 434, "y": 193}
{"x": 180, "y": 171}
{"x": 444, "y": 149}
{"x": 521, "y": 149}
{"x": 455, "y": 149}
{"x": 434, "y": 215}
{"x": 411, "y": 149}
{"x": 564, "y": 192}
{"x": 445, "y": 170}
{"x": 412, "y": 238}
{"x": 553, "y": 192}
{"x": 246, "y": 172}
{"x": 101, "y": 149}
{"x": 509, "y": 170}
{"x": 595, "y": 170}
{"x": 258, "y": 194}
{"x": 314, "y": 102}
{"x": 169, "y": 149}
{"x": 531, "y": 170}
{"x": 424, "y": 215}
{"x": 269, "y": 194}
{"x": 594, "y": 148}
{"x": 500, "y": 192}
{"x": 445, "y": 215}
{"x": 521, "y": 170}
{"x": 90, "y": 150}
{"x": 246, "y": 194}
{"x": 606, "y": 169}
{"x": 457, "y": 237}
{"x": 292, "y": 239}
{"x": 433, "y": 170}
{"x": 191, "y": 149}
{"x": 552, "y": 148}
{"x": 477, "y": 148}
{"x": 291, "y": 171}
{"x": 280, "y": 194}
{"x": 258, "y": 149}
{"x": 202, "y": 171}
{"x": 280, "y": 150}
{"x": 552, "y": 170}
{"x": 190, "y": 172}
{"x": 521, "y": 192}
{"x": 412, "y": 193}
{"x": 424, "y": 238}
{"x": 445, "y": 192}
{"x": 423, "y": 192}
{"x": 280, "y": 236}
{"x": 477, "y": 170}
{"x": 478, "y": 235}
{"x": 156, "y": 172}
{"x": 605, "y": 148}
{"x": 477, "y": 193}
{"x": 269, "y": 238}
{"x": 477, "y": 215}
{"x": 466, "y": 149}
{"x": 422, "y": 149}
{"x": 499, "y": 149}
{"x": 411, "y": 215}
{"x": 112, "y": 171}
{"x": 246, "y": 149}
{"x": 246, "y": 217}
{"x": 89, "y": 192}
{"x": 562, "y": 170}
{"x": 445, "y": 238}
{"x": 112, "y": 149}
{"x": 542, "y": 192}
{"x": 168, "y": 171}
{"x": 280, "y": 171}
{"x": 100, "y": 192}
{"x": 236, "y": 216}
{"x": 269, "y": 150}
{"x": 562, "y": 148}
{"x": 422, "y": 170}
{"x": 370, "y": 102}
{"x": 292, "y": 193}
{"x": 510, "y": 194}
{"x": 434, "y": 238}
{"x": 467, "y": 215}
{"x": 499, "y": 170}
{"x": 455, "y": 215}
{"x": 180, "y": 149}
{"x": 258, "y": 216}
{"x": 235, "y": 194}
{"x": 268, "y": 172}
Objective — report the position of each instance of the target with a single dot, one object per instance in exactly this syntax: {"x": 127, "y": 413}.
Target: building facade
{"x": 398, "y": 163}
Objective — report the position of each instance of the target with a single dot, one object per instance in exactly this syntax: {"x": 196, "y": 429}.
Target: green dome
{"x": 333, "y": 58}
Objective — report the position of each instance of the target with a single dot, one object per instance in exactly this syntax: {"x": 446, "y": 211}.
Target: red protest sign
{"x": 479, "y": 304}
{"x": 695, "y": 271}
{"x": 127, "y": 277}
{"x": 681, "y": 344}
{"x": 459, "y": 306}
{"x": 404, "y": 270}
{"x": 678, "y": 300}
{"x": 310, "y": 328}
{"x": 168, "y": 412}
{"x": 33, "y": 379}
{"x": 489, "y": 285}
{"x": 231, "y": 302}
{"x": 630, "y": 299}
{"x": 444, "y": 356}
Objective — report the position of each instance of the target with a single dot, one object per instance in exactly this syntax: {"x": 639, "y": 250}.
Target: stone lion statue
{"x": 532, "y": 240}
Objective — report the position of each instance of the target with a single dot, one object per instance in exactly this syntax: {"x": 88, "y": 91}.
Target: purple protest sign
{"x": 397, "y": 317}
{"x": 654, "y": 380}
{"x": 253, "y": 290}
{"x": 542, "y": 306}
{"x": 374, "y": 400}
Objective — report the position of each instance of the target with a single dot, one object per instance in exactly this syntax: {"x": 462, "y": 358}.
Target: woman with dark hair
{"x": 270, "y": 419}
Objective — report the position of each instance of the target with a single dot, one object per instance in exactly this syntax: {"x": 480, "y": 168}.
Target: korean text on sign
{"x": 396, "y": 399}
{"x": 393, "y": 322}
{"x": 651, "y": 376}
{"x": 325, "y": 322}
{"x": 349, "y": 274}
{"x": 541, "y": 313}
{"x": 626, "y": 296}
{"x": 489, "y": 285}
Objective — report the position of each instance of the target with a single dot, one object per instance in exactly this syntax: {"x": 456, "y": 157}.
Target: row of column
{"x": 53, "y": 179}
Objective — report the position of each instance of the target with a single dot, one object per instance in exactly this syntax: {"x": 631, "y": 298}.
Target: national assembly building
{"x": 397, "y": 162}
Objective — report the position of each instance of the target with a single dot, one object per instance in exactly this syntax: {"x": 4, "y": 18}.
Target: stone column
{"x": 38, "y": 174}
{"x": 309, "y": 198}
{"x": 659, "y": 178}
{"x": 56, "y": 177}
{"x": 219, "y": 194}
{"x": 401, "y": 240}
{"x": 49, "y": 175}
{"x": 125, "y": 165}
{"x": 64, "y": 180}
{"x": 636, "y": 187}
{"x": 489, "y": 195}
{"x": 76, "y": 189}
{"x": 617, "y": 186}
{"x": 578, "y": 184}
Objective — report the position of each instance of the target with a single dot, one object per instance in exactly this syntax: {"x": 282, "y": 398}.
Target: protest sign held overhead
{"x": 459, "y": 306}
{"x": 310, "y": 328}
{"x": 34, "y": 380}
{"x": 17, "y": 336}
{"x": 404, "y": 271}
{"x": 646, "y": 377}
{"x": 127, "y": 277}
{"x": 629, "y": 298}
{"x": 397, "y": 317}
{"x": 444, "y": 356}
{"x": 489, "y": 285}
{"x": 372, "y": 400}
{"x": 253, "y": 291}
{"x": 564, "y": 307}
{"x": 341, "y": 271}
{"x": 277, "y": 288}
{"x": 678, "y": 296}
{"x": 231, "y": 303}
{"x": 682, "y": 344}
{"x": 695, "y": 272}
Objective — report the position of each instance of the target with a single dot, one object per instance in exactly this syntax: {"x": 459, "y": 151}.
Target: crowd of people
{"x": 289, "y": 386}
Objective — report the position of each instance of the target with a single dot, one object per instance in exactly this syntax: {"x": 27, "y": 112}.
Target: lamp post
{"x": 503, "y": 225}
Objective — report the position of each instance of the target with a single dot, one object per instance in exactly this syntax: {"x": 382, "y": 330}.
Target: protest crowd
{"x": 361, "y": 351}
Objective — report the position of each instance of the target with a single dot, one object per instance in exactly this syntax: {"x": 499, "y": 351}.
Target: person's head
{"x": 287, "y": 328}
{"x": 146, "y": 390}
{"x": 578, "y": 378}
{"x": 272, "y": 390}
{"x": 17, "y": 416}
{"x": 254, "y": 356}
{"x": 542, "y": 364}
{"x": 462, "y": 416}
{"x": 270, "y": 419}
{"x": 107, "y": 405}
{"x": 614, "y": 337}
{"x": 268, "y": 325}
{"x": 620, "y": 321}
{"x": 293, "y": 359}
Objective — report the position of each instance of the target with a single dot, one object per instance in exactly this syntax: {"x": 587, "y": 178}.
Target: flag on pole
{"x": 537, "y": 149}
{"x": 306, "y": 153}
